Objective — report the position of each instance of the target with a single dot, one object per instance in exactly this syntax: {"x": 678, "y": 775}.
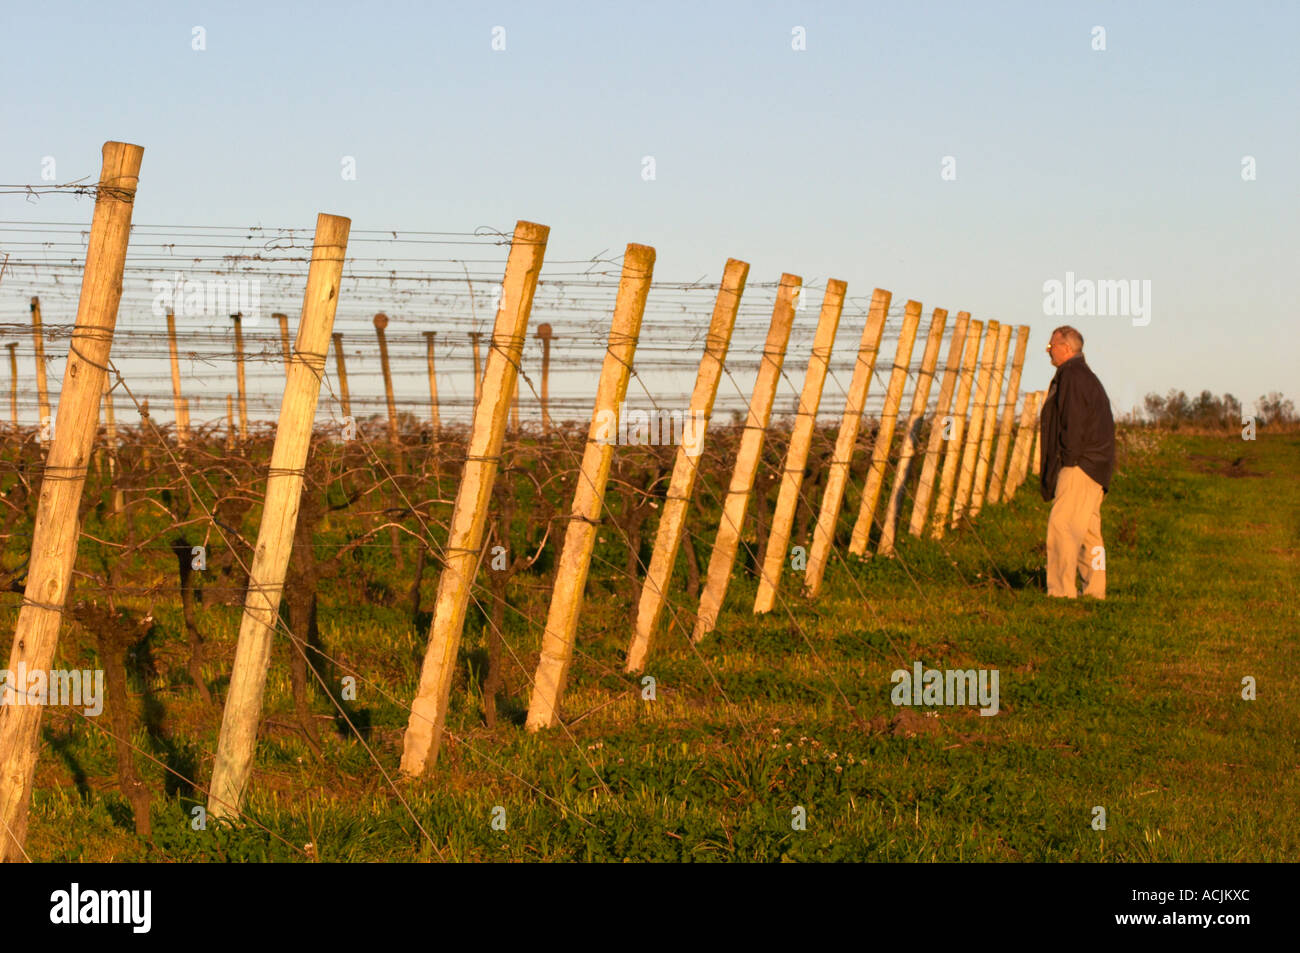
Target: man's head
{"x": 1065, "y": 343}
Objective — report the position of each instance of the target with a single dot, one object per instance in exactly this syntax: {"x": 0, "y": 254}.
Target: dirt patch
{"x": 1222, "y": 466}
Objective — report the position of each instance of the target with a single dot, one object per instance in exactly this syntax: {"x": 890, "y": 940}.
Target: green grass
{"x": 1134, "y": 705}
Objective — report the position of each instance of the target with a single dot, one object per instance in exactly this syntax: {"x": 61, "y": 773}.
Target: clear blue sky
{"x": 1123, "y": 163}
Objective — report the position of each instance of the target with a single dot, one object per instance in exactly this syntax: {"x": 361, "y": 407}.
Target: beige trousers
{"x": 1074, "y": 536}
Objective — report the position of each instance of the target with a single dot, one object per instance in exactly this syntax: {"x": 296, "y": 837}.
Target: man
{"x": 1077, "y": 462}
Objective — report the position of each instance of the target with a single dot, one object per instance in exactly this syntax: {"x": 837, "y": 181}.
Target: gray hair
{"x": 1071, "y": 335}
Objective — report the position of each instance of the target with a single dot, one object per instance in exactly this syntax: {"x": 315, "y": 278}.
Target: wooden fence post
{"x": 727, "y": 542}
{"x": 284, "y": 341}
{"x": 929, "y": 471}
{"x": 342, "y": 366}
{"x": 178, "y": 402}
{"x": 588, "y": 497}
{"x": 775, "y": 556}
{"x": 885, "y": 434}
{"x": 1036, "y": 456}
{"x": 1020, "y": 452}
{"x": 42, "y": 388}
{"x": 1000, "y": 458}
{"x": 478, "y": 375}
{"x": 239, "y": 377}
{"x": 955, "y": 425}
{"x": 985, "y": 457}
{"x": 429, "y": 337}
{"x": 966, "y": 477}
{"x": 381, "y": 322}
{"x": 545, "y": 334}
{"x": 13, "y": 383}
{"x": 54, "y": 535}
{"x": 469, "y": 515}
{"x": 837, "y": 475}
{"x": 235, "y": 745}
{"x": 912, "y": 430}
{"x": 668, "y": 536}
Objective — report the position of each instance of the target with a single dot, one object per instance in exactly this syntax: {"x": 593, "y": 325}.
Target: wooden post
{"x": 1000, "y": 458}
{"x": 178, "y": 403}
{"x": 109, "y": 427}
{"x": 544, "y": 332}
{"x": 915, "y": 417}
{"x": 235, "y": 745}
{"x": 110, "y": 440}
{"x": 838, "y": 473}
{"x": 926, "y": 484}
{"x": 42, "y": 388}
{"x": 284, "y": 341}
{"x": 668, "y": 537}
{"x": 966, "y": 477}
{"x": 343, "y": 374}
{"x": 885, "y": 434}
{"x": 955, "y": 425}
{"x": 478, "y": 376}
{"x": 433, "y": 381}
{"x": 801, "y": 435}
{"x": 230, "y": 422}
{"x": 1020, "y": 452}
{"x": 381, "y": 322}
{"x": 588, "y": 498}
{"x": 985, "y": 456}
{"x": 13, "y": 384}
{"x": 514, "y": 408}
{"x": 1036, "y": 456}
{"x": 727, "y": 542}
{"x": 469, "y": 515}
{"x": 54, "y": 534}
{"x": 239, "y": 376}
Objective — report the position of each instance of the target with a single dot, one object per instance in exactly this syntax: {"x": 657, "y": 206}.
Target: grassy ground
{"x": 1133, "y": 705}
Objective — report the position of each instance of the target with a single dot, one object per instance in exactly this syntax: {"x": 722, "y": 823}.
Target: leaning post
{"x": 837, "y": 476}
{"x": 381, "y": 322}
{"x": 42, "y": 387}
{"x": 970, "y": 452}
{"x": 681, "y": 485}
{"x": 912, "y": 429}
{"x": 955, "y": 426}
{"x": 727, "y": 542}
{"x": 985, "y": 458}
{"x": 233, "y": 763}
{"x": 55, "y": 531}
{"x": 342, "y": 367}
{"x": 1001, "y": 457}
{"x": 934, "y": 449}
{"x": 885, "y": 433}
{"x": 179, "y": 407}
{"x": 796, "y": 458}
{"x": 473, "y": 497}
{"x": 589, "y": 495}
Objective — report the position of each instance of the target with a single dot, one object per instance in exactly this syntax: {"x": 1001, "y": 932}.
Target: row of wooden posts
{"x": 960, "y": 470}
{"x": 181, "y": 404}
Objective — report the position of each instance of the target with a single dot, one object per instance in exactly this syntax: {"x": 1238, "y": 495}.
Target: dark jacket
{"x": 1077, "y": 427}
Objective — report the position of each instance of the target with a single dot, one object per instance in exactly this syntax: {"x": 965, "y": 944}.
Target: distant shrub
{"x": 1177, "y": 411}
